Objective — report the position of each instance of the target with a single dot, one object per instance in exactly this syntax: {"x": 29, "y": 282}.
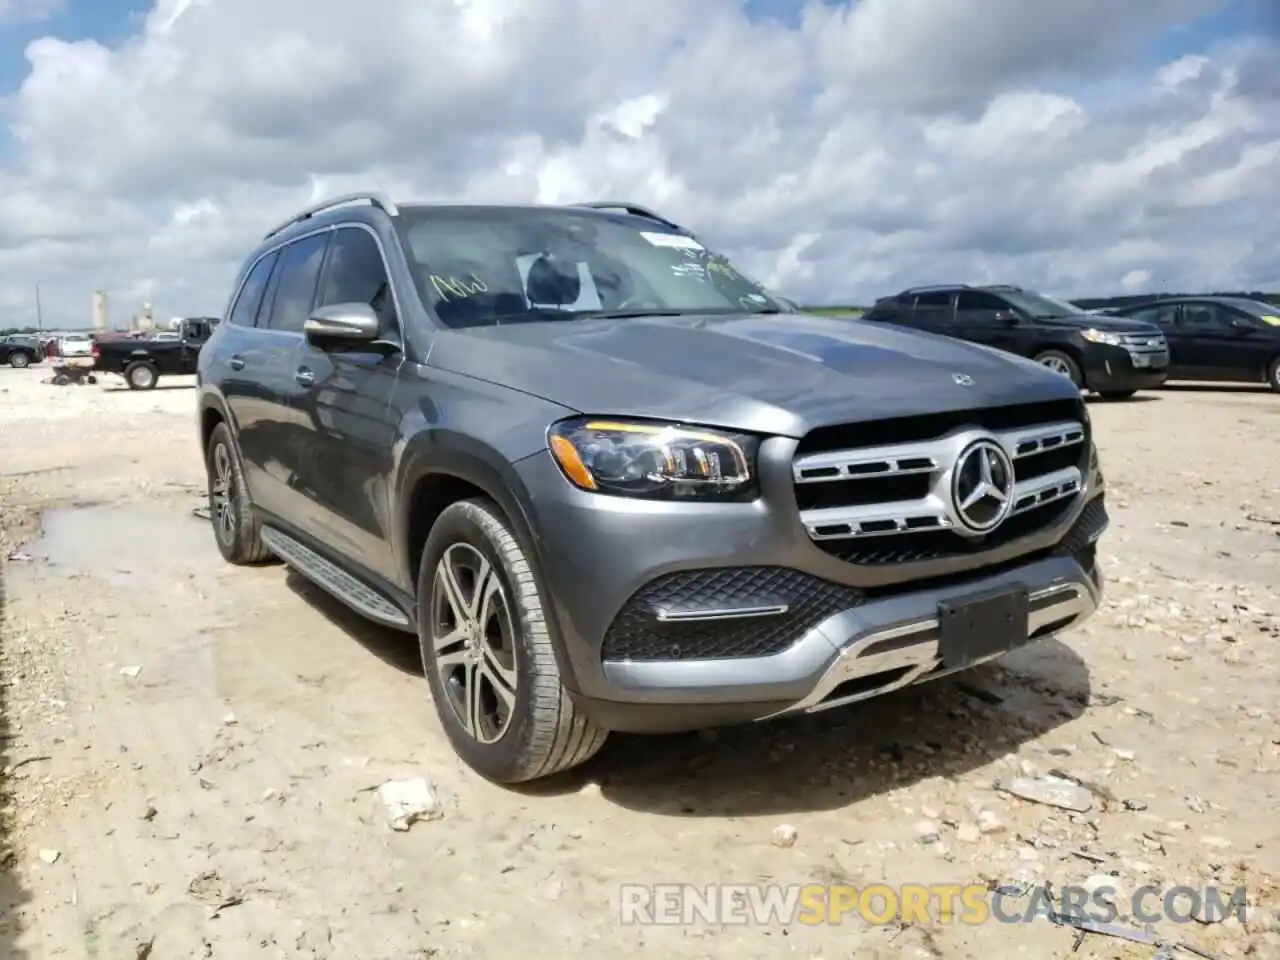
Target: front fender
{"x": 446, "y": 454}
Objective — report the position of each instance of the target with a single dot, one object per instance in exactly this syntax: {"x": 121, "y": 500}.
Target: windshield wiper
{"x": 624, "y": 314}
{"x": 663, "y": 312}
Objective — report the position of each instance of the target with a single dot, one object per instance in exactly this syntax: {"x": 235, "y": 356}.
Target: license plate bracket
{"x": 980, "y": 625}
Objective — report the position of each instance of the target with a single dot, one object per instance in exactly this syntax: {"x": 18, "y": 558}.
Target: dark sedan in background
{"x": 1223, "y": 339}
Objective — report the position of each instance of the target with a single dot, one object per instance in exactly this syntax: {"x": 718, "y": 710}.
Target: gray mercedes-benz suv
{"x": 611, "y": 485}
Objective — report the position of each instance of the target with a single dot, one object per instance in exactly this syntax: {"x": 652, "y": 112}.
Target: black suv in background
{"x": 1226, "y": 339}
{"x": 19, "y": 351}
{"x": 1112, "y": 357}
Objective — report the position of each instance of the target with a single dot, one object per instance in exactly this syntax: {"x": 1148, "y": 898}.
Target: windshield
{"x": 1040, "y": 307}
{"x": 480, "y": 266}
{"x": 1258, "y": 308}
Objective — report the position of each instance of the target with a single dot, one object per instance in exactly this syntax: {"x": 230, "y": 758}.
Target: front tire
{"x": 141, "y": 376}
{"x": 488, "y": 655}
{"x": 236, "y": 529}
{"x": 1273, "y": 375}
{"x": 1062, "y": 363}
{"x": 19, "y": 360}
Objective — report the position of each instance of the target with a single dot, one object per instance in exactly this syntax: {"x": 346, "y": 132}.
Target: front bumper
{"x": 1119, "y": 369}
{"x": 678, "y": 617}
{"x": 851, "y": 656}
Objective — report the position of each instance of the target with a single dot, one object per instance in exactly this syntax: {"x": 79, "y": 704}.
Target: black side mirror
{"x": 1007, "y": 317}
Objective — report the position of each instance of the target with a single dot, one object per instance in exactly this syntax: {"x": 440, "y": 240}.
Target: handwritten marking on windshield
{"x": 724, "y": 270}
{"x": 457, "y": 288}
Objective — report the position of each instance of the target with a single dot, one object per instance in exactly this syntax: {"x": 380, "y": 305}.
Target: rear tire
{"x": 236, "y": 529}
{"x": 1062, "y": 363}
{"x": 141, "y": 376}
{"x": 488, "y": 652}
{"x": 19, "y": 360}
{"x": 1273, "y": 375}
{"x": 1116, "y": 394}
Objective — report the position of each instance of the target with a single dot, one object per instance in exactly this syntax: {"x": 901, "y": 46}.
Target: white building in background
{"x": 99, "y": 310}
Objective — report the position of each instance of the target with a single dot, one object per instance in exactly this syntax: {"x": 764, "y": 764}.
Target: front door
{"x": 347, "y": 472}
{"x": 985, "y": 318}
{"x": 1208, "y": 348}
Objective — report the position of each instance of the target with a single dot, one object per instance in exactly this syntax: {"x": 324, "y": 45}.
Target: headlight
{"x": 656, "y": 461}
{"x": 1101, "y": 336}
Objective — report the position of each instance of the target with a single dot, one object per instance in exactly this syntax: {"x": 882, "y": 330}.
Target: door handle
{"x": 304, "y": 377}
{"x": 236, "y": 362}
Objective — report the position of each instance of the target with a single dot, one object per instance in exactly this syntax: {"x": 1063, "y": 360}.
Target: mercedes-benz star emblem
{"x": 982, "y": 486}
{"x": 962, "y": 379}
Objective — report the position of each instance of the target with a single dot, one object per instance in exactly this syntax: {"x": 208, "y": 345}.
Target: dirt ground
{"x": 191, "y": 751}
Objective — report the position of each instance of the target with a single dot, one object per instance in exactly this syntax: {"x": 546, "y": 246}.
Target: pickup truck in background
{"x": 143, "y": 361}
{"x": 74, "y": 345}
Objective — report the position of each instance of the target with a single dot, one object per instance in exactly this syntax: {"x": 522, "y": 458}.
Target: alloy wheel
{"x": 1057, "y": 365}
{"x": 224, "y": 517}
{"x": 473, "y": 642}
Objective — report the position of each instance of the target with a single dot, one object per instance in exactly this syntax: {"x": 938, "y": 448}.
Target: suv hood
{"x": 1098, "y": 321}
{"x": 780, "y": 374}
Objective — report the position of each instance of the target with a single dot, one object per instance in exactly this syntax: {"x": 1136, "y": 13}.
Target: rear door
{"x": 194, "y": 334}
{"x": 281, "y": 429}
{"x": 346, "y": 472}
{"x": 240, "y": 363}
{"x": 895, "y": 310}
{"x": 933, "y": 312}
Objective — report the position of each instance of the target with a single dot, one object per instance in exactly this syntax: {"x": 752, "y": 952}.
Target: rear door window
{"x": 245, "y": 311}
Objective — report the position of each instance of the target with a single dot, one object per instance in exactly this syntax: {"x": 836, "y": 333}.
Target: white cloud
{"x": 29, "y": 11}
{"x": 871, "y": 146}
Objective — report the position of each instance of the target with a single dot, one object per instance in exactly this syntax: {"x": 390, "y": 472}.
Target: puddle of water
{"x": 125, "y": 545}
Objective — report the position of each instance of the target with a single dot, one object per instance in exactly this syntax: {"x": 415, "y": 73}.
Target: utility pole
{"x": 39, "y": 312}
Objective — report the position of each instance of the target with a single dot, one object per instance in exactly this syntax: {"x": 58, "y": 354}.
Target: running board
{"x": 334, "y": 580}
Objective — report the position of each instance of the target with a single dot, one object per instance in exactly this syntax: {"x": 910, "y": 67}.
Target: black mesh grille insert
{"x": 1076, "y": 543}
{"x": 638, "y": 634}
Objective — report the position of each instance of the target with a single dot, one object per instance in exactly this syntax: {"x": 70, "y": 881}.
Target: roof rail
{"x": 632, "y": 208}
{"x": 938, "y": 286}
{"x": 374, "y": 199}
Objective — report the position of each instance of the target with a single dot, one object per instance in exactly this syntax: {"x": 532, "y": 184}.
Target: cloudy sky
{"x": 837, "y": 151}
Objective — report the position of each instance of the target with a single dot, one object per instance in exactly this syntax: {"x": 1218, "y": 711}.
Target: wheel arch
{"x": 212, "y": 412}
{"x": 444, "y": 469}
{"x": 1070, "y": 349}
